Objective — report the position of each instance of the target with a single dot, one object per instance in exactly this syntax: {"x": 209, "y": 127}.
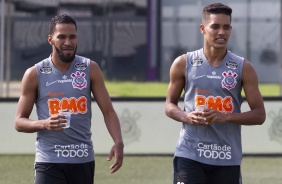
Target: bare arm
{"x": 25, "y": 105}
{"x": 103, "y": 100}
{"x": 256, "y": 114}
{"x": 175, "y": 88}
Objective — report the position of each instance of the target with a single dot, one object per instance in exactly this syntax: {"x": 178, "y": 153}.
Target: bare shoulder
{"x": 29, "y": 81}
{"x": 179, "y": 64}
{"x": 94, "y": 65}
{"x": 249, "y": 76}
{"x": 248, "y": 68}
{"x": 247, "y": 65}
{"x": 30, "y": 75}
{"x": 93, "y": 62}
{"x": 95, "y": 71}
{"x": 31, "y": 72}
{"x": 180, "y": 60}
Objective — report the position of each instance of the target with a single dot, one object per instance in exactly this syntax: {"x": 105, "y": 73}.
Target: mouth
{"x": 67, "y": 51}
{"x": 220, "y": 40}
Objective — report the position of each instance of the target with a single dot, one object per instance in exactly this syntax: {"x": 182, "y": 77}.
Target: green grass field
{"x": 145, "y": 89}
{"x": 141, "y": 170}
{"x": 136, "y": 89}
{"x": 158, "y": 89}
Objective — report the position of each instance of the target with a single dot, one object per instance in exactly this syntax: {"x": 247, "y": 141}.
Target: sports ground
{"x": 141, "y": 169}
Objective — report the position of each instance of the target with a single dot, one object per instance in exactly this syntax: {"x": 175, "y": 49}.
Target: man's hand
{"x": 213, "y": 116}
{"x": 117, "y": 152}
{"x": 56, "y": 123}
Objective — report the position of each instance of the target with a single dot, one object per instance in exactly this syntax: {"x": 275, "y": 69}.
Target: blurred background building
{"x": 137, "y": 40}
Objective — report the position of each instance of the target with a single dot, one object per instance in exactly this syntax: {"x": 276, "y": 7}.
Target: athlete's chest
{"x": 205, "y": 76}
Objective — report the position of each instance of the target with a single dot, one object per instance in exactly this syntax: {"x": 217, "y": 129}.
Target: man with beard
{"x": 65, "y": 81}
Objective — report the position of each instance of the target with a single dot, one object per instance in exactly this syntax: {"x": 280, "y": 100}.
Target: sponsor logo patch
{"x": 213, "y": 76}
{"x": 231, "y": 65}
{"x": 76, "y": 105}
{"x": 62, "y": 81}
{"x": 46, "y": 69}
{"x": 198, "y": 77}
{"x": 80, "y": 66}
{"x": 214, "y": 151}
{"x": 218, "y": 103}
{"x": 196, "y": 62}
{"x": 72, "y": 150}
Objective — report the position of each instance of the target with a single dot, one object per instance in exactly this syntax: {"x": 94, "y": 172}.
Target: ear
{"x": 50, "y": 39}
{"x": 202, "y": 29}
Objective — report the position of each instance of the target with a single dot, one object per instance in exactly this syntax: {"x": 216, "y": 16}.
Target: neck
{"x": 60, "y": 65}
{"x": 214, "y": 56}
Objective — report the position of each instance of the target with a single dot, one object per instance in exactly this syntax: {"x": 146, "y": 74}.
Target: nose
{"x": 221, "y": 31}
{"x": 67, "y": 41}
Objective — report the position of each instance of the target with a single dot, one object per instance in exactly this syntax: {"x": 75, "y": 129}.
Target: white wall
{"x": 146, "y": 130}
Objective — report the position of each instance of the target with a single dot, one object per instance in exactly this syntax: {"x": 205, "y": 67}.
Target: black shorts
{"x": 61, "y": 173}
{"x": 192, "y": 172}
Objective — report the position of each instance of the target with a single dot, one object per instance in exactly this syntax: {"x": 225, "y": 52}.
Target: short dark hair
{"x": 216, "y": 8}
{"x": 60, "y": 19}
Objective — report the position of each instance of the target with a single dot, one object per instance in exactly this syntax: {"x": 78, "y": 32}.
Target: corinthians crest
{"x": 229, "y": 80}
{"x": 275, "y": 130}
{"x": 79, "y": 80}
{"x": 129, "y": 129}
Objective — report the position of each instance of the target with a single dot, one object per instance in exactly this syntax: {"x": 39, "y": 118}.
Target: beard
{"x": 65, "y": 58}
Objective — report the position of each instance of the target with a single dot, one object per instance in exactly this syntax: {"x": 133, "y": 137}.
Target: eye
{"x": 73, "y": 36}
{"x": 227, "y": 27}
{"x": 61, "y": 37}
{"x": 215, "y": 26}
